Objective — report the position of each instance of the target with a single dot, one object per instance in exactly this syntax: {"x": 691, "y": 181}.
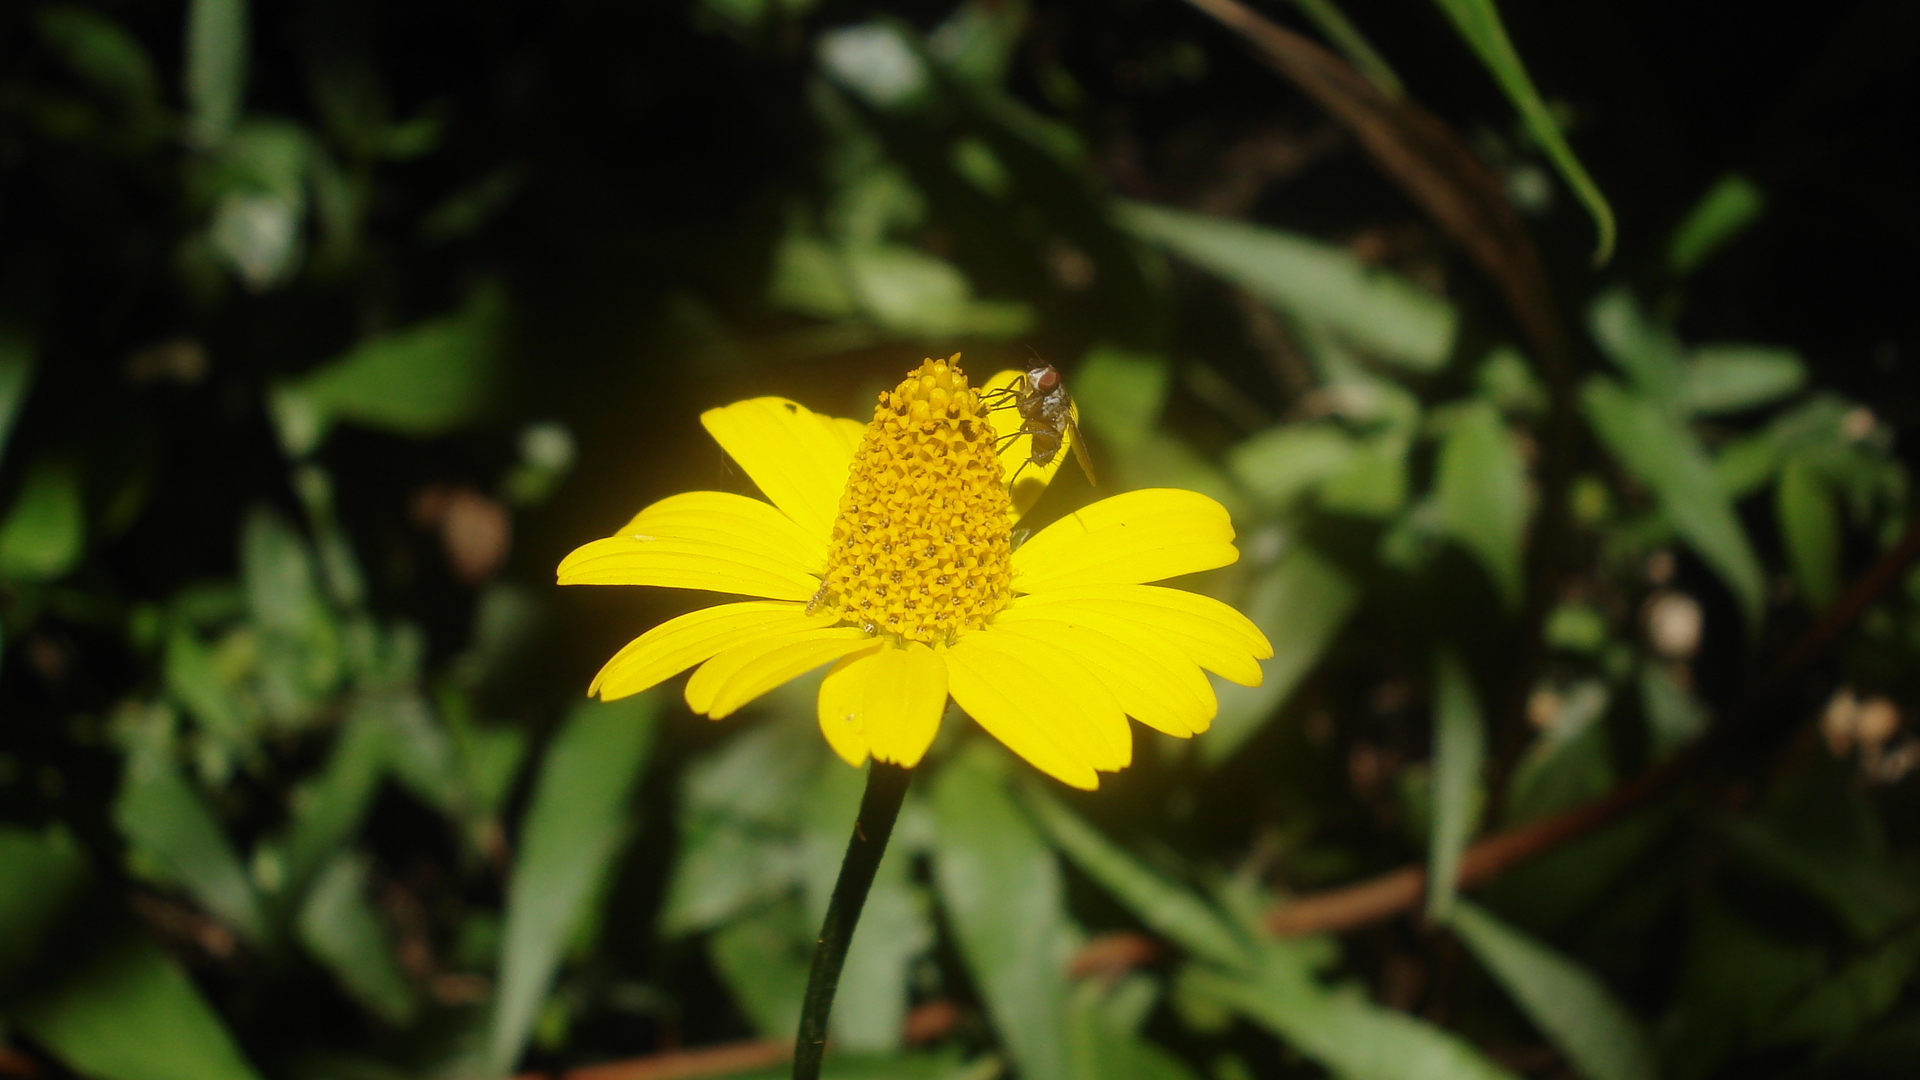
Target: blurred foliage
{"x": 327, "y": 327}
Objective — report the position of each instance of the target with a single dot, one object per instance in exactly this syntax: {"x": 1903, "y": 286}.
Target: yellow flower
{"x": 887, "y": 550}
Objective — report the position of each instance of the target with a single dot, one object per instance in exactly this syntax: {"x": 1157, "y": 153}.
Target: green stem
{"x": 886, "y": 787}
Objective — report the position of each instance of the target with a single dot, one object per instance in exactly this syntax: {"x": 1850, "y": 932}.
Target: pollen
{"x": 922, "y": 548}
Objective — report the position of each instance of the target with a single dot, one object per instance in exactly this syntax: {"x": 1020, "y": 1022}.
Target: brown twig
{"x": 1400, "y": 891}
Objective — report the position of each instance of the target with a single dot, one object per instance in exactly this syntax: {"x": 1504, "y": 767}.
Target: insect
{"x": 1046, "y": 414}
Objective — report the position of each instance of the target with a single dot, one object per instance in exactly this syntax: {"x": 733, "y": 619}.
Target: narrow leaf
{"x": 216, "y": 68}
{"x": 1374, "y": 310}
{"x": 44, "y": 531}
{"x": 1659, "y": 450}
{"x": 1730, "y": 378}
{"x": 167, "y": 822}
{"x": 1163, "y": 906}
{"x": 130, "y": 1013}
{"x": 341, "y": 929}
{"x": 1481, "y": 495}
{"x": 1459, "y": 752}
{"x": 573, "y": 828}
{"x": 16, "y": 377}
{"x": 42, "y": 875}
{"x": 1572, "y": 1007}
{"x": 1810, "y": 525}
{"x": 1729, "y": 206}
{"x": 1001, "y": 888}
{"x": 1478, "y": 21}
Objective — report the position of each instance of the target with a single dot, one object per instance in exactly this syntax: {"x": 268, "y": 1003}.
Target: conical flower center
{"x": 922, "y": 548}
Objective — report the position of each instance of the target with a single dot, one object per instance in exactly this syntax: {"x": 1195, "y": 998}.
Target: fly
{"x": 1046, "y": 418}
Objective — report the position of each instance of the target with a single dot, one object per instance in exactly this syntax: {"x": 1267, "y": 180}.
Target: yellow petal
{"x": 841, "y": 708}
{"x": 736, "y": 520}
{"x": 1160, "y": 686}
{"x": 798, "y": 457}
{"x": 744, "y": 672}
{"x": 678, "y": 644}
{"x": 685, "y": 564}
{"x": 1043, "y": 705}
{"x": 1129, "y": 538}
{"x": 1014, "y": 452}
{"x": 889, "y": 699}
{"x": 1210, "y": 633}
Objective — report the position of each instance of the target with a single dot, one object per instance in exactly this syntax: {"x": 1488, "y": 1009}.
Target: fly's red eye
{"x": 1048, "y": 379}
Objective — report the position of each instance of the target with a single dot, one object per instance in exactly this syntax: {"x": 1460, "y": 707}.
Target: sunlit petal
{"x": 1042, "y": 704}
{"x": 1210, "y": 633}
{"x": 798, "y": 457}
{"x": 723, "y": 517}
{"x": 888, "y": 701}
{"x": 1129, "y": 538}
{"x": 678, "y": 644}
{"x": 740, "y": 674}
{"x": 1157, "y": 685}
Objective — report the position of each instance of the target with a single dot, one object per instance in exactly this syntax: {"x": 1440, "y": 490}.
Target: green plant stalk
{"x": 879, "y": 807}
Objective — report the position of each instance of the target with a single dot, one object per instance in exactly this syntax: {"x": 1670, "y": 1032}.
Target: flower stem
{"x": 886, "y": 787}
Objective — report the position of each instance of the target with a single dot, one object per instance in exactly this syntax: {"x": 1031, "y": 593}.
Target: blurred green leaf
{"x": 215, "y": 69}
{"x": 45, "y": 530}
{"x": 16, "y": 378}
{"x": 1729, "y": 206}
{"x": 1731, "y": 378}
{"x": 1735, "y": 984}
{"x": 130, "y": 1013}
{"x": 763, "y": 956}
{"x": 426, "y": 380}
{"x": 327, "y": 811}
{"x": 340, "y": 928}
{"x": 1120, "y": 393}
{"x": 1577, "y": 627}
{"x": 1164, "y": 907}
{"x": 1481, "y": 496}
{"x": 1459, "y": 754}
{"x": 1674, "y": 716}
{"x": 42, "y": 875}
{"x": 1647, "y": 352}
{"x": 1659, "y": 450}
{"x": 578, "y": 817}
{"x": 1354, "y": 1038}
{"x": 1373, "y": 483}
{"x": 1478, "y": 21}
{"x": 1300, "y": 603}
{"x": 1810, "y": 525}
{"x": 1001, "y": 889}
{"x": 723, "y": 869}
{"x": 1563, "y": 999}
{"x": 167, "y": 821}
{"x": 300, "y": 650}
{"x": 1104, "y": 1031}
{"x": 1567, "y": 764}
{"x": 258, "y": 183}
{"x": 102, "y": 52}
{"x": 875, "y": 61}
{"x": 1861, "y": 991}
{"x": 1284, "y": 462}
{"x": 1334, "y": 25}
{"x": 1373, "y": 309}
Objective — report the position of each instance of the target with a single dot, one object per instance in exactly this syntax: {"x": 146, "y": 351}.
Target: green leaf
{"x": 1104, "y": 1029}
{"x": 102, "y": 52}
{"x": 1861, "y": 991}
{"x": 1567, "y": 764}
{"x": 1001, "y": 889}
{"x": 1674, "y": 716}
{"x": 16, "y": 378}
{"x": 1283, "y": 463}
{"x": 130, "y": 1013}
{"x": 428, "y": 379}
{"x": 574, "y": 826}
{"x": 1810, "y": 525}
{"x": 1731, "y": 378}
{"x": 1481, "y": 496}
{"x": 1374, "y": 310}
{"x": 328, "y": 810}
{"x": 1164, "y": 907}
{"x": 341, "y": 929}
{"x": 1478, "y": 21}
{"x": 1659, "y": 450}
{"x": 1563, "y": 999}
{"x": 167, "y": 822}
{"x": 1300, "y": 603}
{"x": 45, "y": 531}
{"x": 1120, "y": 393}
{"x": 1729, "y": 206}
{"x": 42, "y": 875}
{"x": 1354, "y": 1038}
{"x": 1649, "y": 353}
{"x": 1334, "y": 25}
{"x": 1459, "y": 754}
{"x": 763, "y": 956}
{"x": 216, "y": 68}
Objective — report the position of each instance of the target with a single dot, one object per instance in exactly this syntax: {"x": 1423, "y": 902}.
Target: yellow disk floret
{"x": 922, "y": 548}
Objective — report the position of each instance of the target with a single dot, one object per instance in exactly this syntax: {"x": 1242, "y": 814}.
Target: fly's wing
{"x": 1079, "y": 445}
